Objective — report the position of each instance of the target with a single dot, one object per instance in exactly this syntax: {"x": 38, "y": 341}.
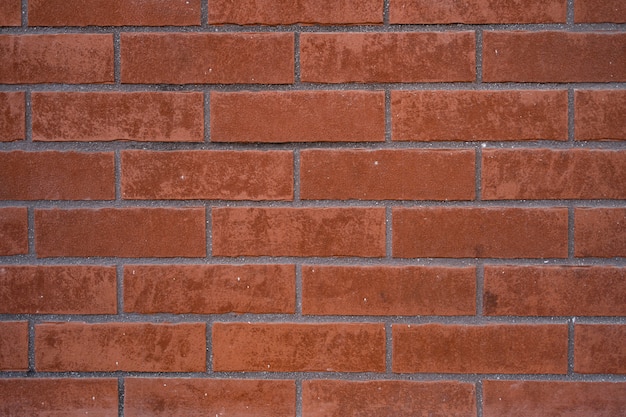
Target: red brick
{"x": 207, "y": 58}
{"x": 59, "y": 58}
{"x": 387, "y": 57}
{"x": 210, "y": 175}
{"x": 287, "y": 12}
{"x": 291, "y": 347}
{"x": 538, "y": 174}
{"x": 62, "y": 397}
{"x": 13, "y": 231}
{"x": 13, "y": 348}
{"x": 553, "y": 399}
{"x": 478, "y": 115}
{"x": 298, "y": 116}
{"x": 388, "y": 290}
{"x": 107, "y": 347}
{"x": 600, "y": 114}
{"x": 12, "y": 116}
{"x": 57, "y": 290}
{"x": 477, "y": 11}
{"x": 113, "y": 13}
{"x": 11, "y": 13}
{"x": 127, "y": 232}
{"x": 600, "y": 349}
{"x": 327, "y": 174}
{"x": 53, "y": 175}
{"x": 495, "y": 348}
{"x": 555, "y": 291}
{"x": 496, "y": 232}
{"x": 209, "y": 289}
{"x": 169, "y": 397}
{"x": 144, "y": 116}
{"x": 554, "y": 57}
{"x": 599, "y": 11}
{"x": 388, "y": 398}
{"x": 599, "y": 232}
{"x": 328, "y": 231}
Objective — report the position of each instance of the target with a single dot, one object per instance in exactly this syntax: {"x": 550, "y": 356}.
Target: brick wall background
{"x": 313, "y": 208}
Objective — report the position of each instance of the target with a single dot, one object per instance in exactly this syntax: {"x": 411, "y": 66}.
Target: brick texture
{"x": 599, "y": 11}
{"x": 13, "y": 231}
{"x": 12, "y": 116}
{"x": 107, "y": 347}
{"x": 13, "y": 347}
{"x": 11, "y": 13}
{"x": 599, "y": 115}
{"x": 599, "y": 232}
{"x": 600, "y": 349}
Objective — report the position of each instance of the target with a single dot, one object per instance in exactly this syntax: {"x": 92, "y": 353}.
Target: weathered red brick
{"x": 538, "y": 174}
{"x": 328, "y": 231}
{"x": 209, "y": 289}
{"x": 13, "y": 231}
{"x": 388, "y": 398}
{"x": 554, "y": 57}
{"x": 387, "y": 174}
{"x": 287, "y": 12}
{"x": 553, "y": 398}
{"x": 177, "y": 397}
{"x": 495, "y": 232}
{"x": 600, "y": 348}
{"x": 478, "y": 115}
{"x": 555, "y": 291}
{"x": 52, "y": 175}
{"x": 291, "y": 347}
{"x": 12, "y": 115}
{"x": 106, "y": 347}
{"x": 207, "y": 58}
{"x": 113, "y": 13}
{"x": 59, "y": 58}
{"x": 477, "y": 11}
{"x": 11, "y": 13}
{"x": 486, "y": 349}
{"x": 298, "y": 116}
{"x": 387, "y": 57}
{"x": 600, "y": 114}
{"x": 126, "y": 232}
{"x": 599, "y": 11}
{"x": 67, "y": 397}
{"x": 210, "y": 175}
{"x": 599, "y": 232}
{"x": 388, "y": 290}
{"x": 144, "y": 116}
{"x": 13, "y": 348}
{"x": 52, "y": 289}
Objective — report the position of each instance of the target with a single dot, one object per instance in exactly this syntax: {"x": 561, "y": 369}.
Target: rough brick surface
{"x": 207, "y": 58}
{"x": 599, "y": 114}
{"x": 600, "y": 349}
{"x": 55, "y": 175}
{"x": 209, "y": 289}
{"x": 554, "y": 57}
{"x": 58, "y": 289}
{"x": 130, "y": 232}
{"x": 13, "y": 231}
{"x": 217, "y": 175}
{"x": 330, "y": 398}
{"x": 145, "y": 116}
{"x": 289, "y": 347}
{"x": 13, "y": 347}
{"x": 56, "y": 397}
{"x": 113, "y": 13}
{"x": 554, "y": 291}
{"x": 496, "y": 348}
{"x": 387, "y": 174}
{"x": 384, "y": 291}
{"x": 480, "y": 232}
{"x": 286, "y": 12}
{"x": 298, "y": 116}
{"x": 539, "y": 174}
{"x": 387, "y": 57}
{"x": 478, "y": 115}
{"x": 599, "y": 11}
{"x": 12, "y": 116}
{"x": 11, "y": 13}
{"x": 107, "y": 347}
{"x": 62, "y": 58}
{"x": 599, "y": 232}
{"x": 250, "y": 231}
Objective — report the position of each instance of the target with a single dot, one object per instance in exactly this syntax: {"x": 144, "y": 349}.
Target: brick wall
{"x": 313, "y": 208}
